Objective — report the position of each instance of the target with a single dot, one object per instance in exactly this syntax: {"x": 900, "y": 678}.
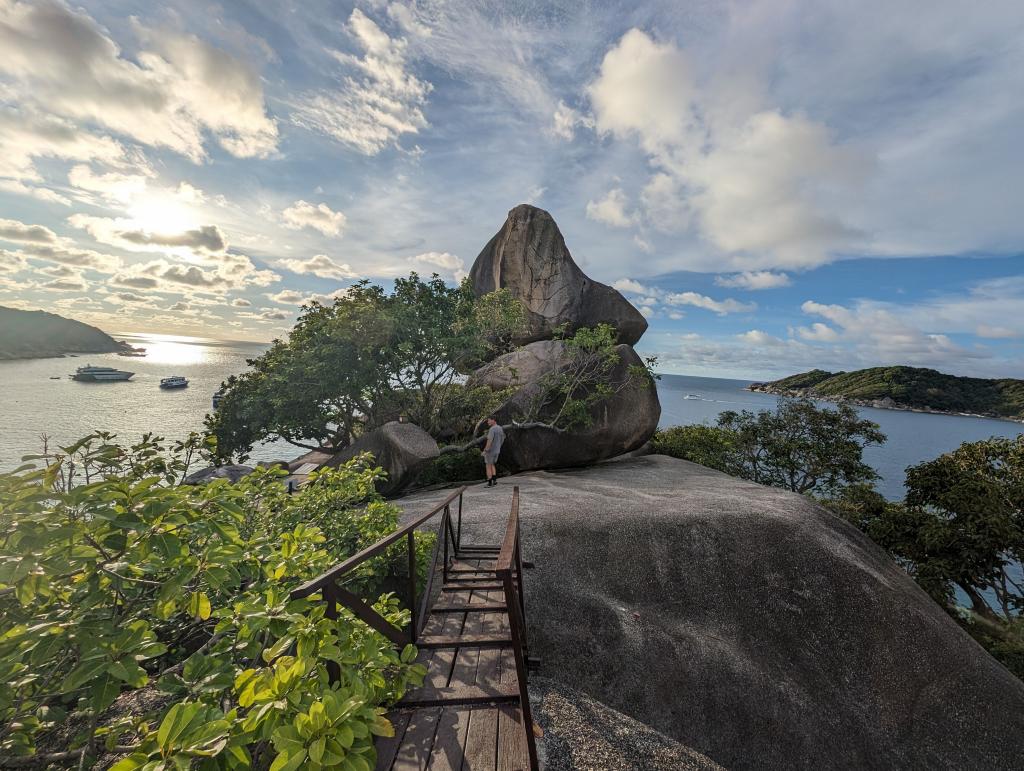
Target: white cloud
{"x": 646, "y": 311}
{"x": 319, "y": 265}
{"x": 374, "y": 108}
{"x": 287, "y": 297}
{"x": 664, "y": 204}
{"x": 760, "y": 337}
{"x": 444, "y": 261}
{"x": 64, "y": 254}
{"x": 721, "y": 307}
{"x": 996, "y": 332}
{"x": 629, "y": 285}
{"x": 112, "y": 185}
{"x": 754, "y": 280}
{"x": 566, "y": 119}
{"x": 611, "y": 210}
{"x": 13, "y": 230}
{"x": 126, "y": 234}
{"x": 318, "y": 217}
{"x": 241, "y": 302}
{"x": 26, "y": 135}
{"x": 11, "y": 262}
{"x": 818, "y": 332}
{"x": 177, "y": 87}
{"x": 753, "y": 178}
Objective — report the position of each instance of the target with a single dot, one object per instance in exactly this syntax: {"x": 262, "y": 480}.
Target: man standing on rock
{"x": 495, "y": 438}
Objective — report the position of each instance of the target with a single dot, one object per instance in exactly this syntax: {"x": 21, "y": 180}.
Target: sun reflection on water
{"x": 167, "y": 349}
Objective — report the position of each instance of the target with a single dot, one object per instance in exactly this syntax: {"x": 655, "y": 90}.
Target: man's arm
{"x": 487, "y": 444}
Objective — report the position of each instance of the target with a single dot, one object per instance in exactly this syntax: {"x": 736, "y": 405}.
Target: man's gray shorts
{"x": 491, "y": 457}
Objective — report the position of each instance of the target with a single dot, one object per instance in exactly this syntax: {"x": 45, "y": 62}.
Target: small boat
{"x": 91, "y": 374}
{"x": 174, "y": 381}
{"x": 692, "y": 396}
{"x": 54, "y": 377}
{"x": 216, "y": 399}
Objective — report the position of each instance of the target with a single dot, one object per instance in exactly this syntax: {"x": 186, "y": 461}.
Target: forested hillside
{"x": 908, "y": 387}
{"x": 38, "y": 334}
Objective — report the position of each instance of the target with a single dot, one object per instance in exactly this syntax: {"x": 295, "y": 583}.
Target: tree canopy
{"x": 798, "y": 446}
{"x": 368, "y": 358}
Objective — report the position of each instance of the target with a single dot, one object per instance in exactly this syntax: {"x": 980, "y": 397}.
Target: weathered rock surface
{"x": 401, "y": 449}
{"x": 518, "y": 367}
{"x": 528, "y": 256}
{"x": 231, "y": 473}
{"x": 746, "y": 623}
{"x": 619, "y": 424}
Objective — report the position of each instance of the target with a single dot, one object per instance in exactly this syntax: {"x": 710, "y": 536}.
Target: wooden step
{"x": 460, "y": 696}
{"x": 470, "y": 609}
{"x": 471, "y": 587}
{"x": 492, "y": 571}
{"x": 470, "y": 578}
{"x": 479, "y": 549}
{"x": 463, "y": 641}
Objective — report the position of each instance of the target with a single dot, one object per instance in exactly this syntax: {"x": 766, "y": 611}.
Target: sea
{"x": 38, "y": 398}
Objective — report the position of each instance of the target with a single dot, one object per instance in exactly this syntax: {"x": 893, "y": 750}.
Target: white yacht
{"x": 92, "y": 374}
{"x": 174, "y": 381}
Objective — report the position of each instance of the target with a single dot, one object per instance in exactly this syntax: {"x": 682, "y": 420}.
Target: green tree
{"x": 114, "y": 578}
{"x": 961, "y": 527}
{"x": 710, "y": 446}
{"x": 801, "y": 446}
{"x": 368, "y": 358}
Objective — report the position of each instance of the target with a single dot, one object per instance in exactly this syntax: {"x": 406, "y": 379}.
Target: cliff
{"x": 745, "y": 623}
{"x": 908, "y": 388}
{"x": 38, "y": 335}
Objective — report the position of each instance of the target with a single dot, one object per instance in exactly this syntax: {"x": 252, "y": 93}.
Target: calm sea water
{"x": 912, "y": 436}
{"x": 33, "y": 404}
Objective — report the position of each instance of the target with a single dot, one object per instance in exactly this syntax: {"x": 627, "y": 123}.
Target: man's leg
{"x": 491, "y": 474}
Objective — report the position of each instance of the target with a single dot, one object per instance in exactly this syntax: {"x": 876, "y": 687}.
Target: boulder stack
{"x": 529, "y": 258}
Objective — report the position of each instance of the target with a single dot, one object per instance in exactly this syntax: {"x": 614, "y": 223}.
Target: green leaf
{"x": 103, "y": 692}
{"x": 199, "y": 605}
{"x": 285, "y": 762}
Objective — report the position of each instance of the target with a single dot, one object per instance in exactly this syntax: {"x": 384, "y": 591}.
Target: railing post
{"x": 446, "y": 526}
{"x": 458, "y": 533}
{"x": 411, "y": 541}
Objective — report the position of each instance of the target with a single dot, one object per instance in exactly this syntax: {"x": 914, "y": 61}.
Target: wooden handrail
{"x": 508, "y": 546}
{"x": 318, "y": 583}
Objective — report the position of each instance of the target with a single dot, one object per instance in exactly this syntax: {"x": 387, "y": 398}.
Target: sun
{"x": 162, "y": 213}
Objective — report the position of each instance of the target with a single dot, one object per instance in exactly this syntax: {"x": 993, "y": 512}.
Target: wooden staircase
{"x": 472, "y": 712}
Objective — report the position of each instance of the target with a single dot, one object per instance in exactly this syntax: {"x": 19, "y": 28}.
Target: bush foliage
{"x": 114, "y": 578}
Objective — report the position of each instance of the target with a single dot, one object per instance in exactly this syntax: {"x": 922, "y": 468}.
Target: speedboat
{"x": 174, "y": 381}
{"x": 216, "y": 400}
{"x": 692, "y": 396}
{"x": 92, "y": 374}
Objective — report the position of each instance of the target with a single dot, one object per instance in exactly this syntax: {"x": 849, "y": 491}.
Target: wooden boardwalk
{"x": 473, "y": 711}
{"x": 464, "y": 737}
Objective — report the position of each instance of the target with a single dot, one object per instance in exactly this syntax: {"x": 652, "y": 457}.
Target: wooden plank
{"x": 450, "y": 740}
{"x": 387, "y": 746}
{"x": 440, "y": 668}
{"x": 461, "y": 695}
{"x": 414, "y": 749}
{"x": 468, "y": 608}
{"x": 481, "y": 747}
{"x": 513, "y": 753}
{"x": 464, "y": 641}
{"x": 470, "y": 587}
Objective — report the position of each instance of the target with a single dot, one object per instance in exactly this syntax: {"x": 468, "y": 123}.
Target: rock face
{"x": 744, "y": 622}
{"x": 529, "y": 257}
{"x": 231, "y": 473}
{"x": 619, "y": 424}
{"x": 401, "y": 449}
{"x": 521, "y": 366}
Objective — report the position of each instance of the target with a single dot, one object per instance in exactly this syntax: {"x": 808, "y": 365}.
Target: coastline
{"x": 878, "y": 404}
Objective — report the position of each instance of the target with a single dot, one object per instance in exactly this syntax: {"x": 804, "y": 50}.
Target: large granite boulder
{"x": 620, "y": 423}
{"x": 401, "y": 449}
{"x": 528, "y": 256}
{"x": 232, "y": 473}
{"x": 746, "y": 623}
{"x": 518, "y": 367}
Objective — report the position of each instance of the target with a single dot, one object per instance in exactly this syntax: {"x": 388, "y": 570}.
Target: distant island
{"x": 907, "y": 388}
{"x": 41, "y": 335}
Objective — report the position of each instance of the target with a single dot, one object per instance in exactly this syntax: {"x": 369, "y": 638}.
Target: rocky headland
{"x": 748, "y": 625}
{"x": 911, "y": 389}
{"x": 42, "y": 335}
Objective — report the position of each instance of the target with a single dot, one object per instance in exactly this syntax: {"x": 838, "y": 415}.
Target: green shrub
{"x": 452, "y": 467}
{"x": 709, "y": 446}
{"x": 114, "y": 578}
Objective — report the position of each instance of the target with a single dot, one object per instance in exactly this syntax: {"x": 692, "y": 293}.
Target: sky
{"x": 778, "y": 185}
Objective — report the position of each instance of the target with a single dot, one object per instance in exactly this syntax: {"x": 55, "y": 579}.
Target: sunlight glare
{"x": 162, "y": 213}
